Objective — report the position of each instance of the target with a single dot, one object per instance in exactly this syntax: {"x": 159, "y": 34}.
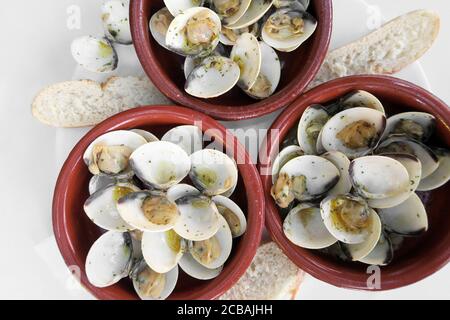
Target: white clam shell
{"x": 225, "y": 239}
{"x": 197, "y": 222}
{"x": 181, "y": 190}
{"x": 289, "y": 45}
{"x": 344, "y": 118}
{"x": 176, "y": 37}
{"x": 160, "y": 164}
{"x": 345, "y": 236}
{"x": 244, "y": 5}
{"x": 379, "y": 177}
{"x": 304, "y": 227}
{"x": 426, "y": 121}
{"x": 409, "y": 218}
{"x": 342, "y": 163}
{"x": 99, "y": 182}
{"x": 213, "y": 77}
{"x": 414, "y": 168}
{"x": 109, "y": 258}
{"x": 194, "y": 269}
{"x": 150, "y": 137}
{"x": 284, "y": 157}
{"x": 116, "y": 21}
{"x": 94, "y": 54}
{"x": 159, "y": 35}
{"x": 247, "y": 54}
{"x": 313, "y": 114}
{"x": 231, "y": 205}
{"x": 382, "y": 254}
{"x": 157, "y": 251}
{"x": 171, "y": 278}
{"x": 177, "y": 7}
{"x": 321, "y": 175}
{"x": 440, "y": 176}
{"x": 101, "y": 208}
{"x": 361, "y": 250}
{"x": 213, "y": 172}
{"x": 130, "y": 209}
{"x": 270, "y": 68}
{"x": 255, "y": 11}
{"x": 362, "y": 99}
{"x": 189, "y": 138}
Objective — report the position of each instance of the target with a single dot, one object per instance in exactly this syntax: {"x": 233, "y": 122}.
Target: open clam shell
{"x": 148, "y": 136}
{"x": 177, "y": 7}
{"x": 109, "y": 259}
{"x": 416, "y": 125}
{"x": 246, "y": 53}
{"x": 382, "y": 254}
{"x": 255, "y": 11}
{"x": 361, "y": 99}
{"x": 189, "y": 138}
{"x": 194, "y": 269}
{"x": 233, "y": 214}
{"x": 342, "y": 163}
{"x": 199, "y": 218}
{"x": 230, "y": 10}
{"x": 285, "y": 155}
{"x": 441, "y": 175}
{"x": 310, "y": 126}
{"x": 101, "y": 207}
{"x": 159, "y": 24}
{"x": 181, "y": 190}
{"x": 150, "y": 285}
{"x": 304, "y": 227}
{"x": 160, "y": 164}
{"x": 148, "y": 211}
{"x": 408, "y": 219}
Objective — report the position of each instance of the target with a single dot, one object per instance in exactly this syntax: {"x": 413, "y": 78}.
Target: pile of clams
{"x": 164, "y": 204}
{"x": 97, "y": 54}
{"x": 232, "y": 42}
{"x": 348, "y": 183}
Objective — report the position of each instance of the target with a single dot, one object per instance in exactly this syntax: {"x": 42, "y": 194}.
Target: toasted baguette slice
{"x": 387, "y": 50}
{"x": 85, "y": 102}
{"x": 271, "y": 276}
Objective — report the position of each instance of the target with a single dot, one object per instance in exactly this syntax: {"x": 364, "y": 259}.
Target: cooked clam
{"x": 416, "y": 125}
{"x": 162, "y": 250}
{"x": 414, "y": 168}
{"x": 194, "y": 33}
{"x": 94, "y": 54}
{"x": 189, "y": 138}
{"x": 246, "y": 53}
{"x": 159, "y": 24}
{"x": 230, "y": 10}
{"x": 101, "y": 207}
{"x": 109, "y": 259}
{"x": 361, "y": 99}
{"x": 408, "y": 219}
{"x": 382, "y": 254}
{"x": 214, "y": 76}
{"x": 233, "y": 215}
{"x": 441, "y": 175}
{"x": 213, "y": 252}
{"x": 213, "y": 172}
{"x": 255, "y": 11}
{"x": 194, "y": 269}
{"x": 116, "y": 21}
{"x": 148, "y": 211}
{"x": 304, "y": 178}
{"x": 379, "y": 177}
{"x": 354, "y": 132}
{"x": 109, "y": 154}
{"x": 199, "y": 218}
{"x": 304, "y": 227}
{"x": 311, "y": 123}
{"x": 269, "y": 74}
{"x": 177, "y": 7}
{"x": 229, "y": 37}
{"x": 342, "y": 163}
{"x": 285, "y": 155}
{"x": 160, "y": 164}
{"x": 348, "y": 218}
{"x": 286, "y": 29}
{"x": 399, "y": 143}
{"x": 151, "y": 285}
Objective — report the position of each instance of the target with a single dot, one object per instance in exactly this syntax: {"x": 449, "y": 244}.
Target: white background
{"x": 35, "y": 53}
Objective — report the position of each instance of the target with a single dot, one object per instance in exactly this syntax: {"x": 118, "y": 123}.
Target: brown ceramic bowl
{"x": 75, "y": 233}
{"x": 418, "y": 257}
{"x": 165, "y": 68}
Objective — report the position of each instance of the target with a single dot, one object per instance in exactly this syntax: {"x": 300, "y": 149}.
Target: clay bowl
{"x": 165, "y": 68}
{"x": 418, "y": 257}
{"x": 75, "y": 233}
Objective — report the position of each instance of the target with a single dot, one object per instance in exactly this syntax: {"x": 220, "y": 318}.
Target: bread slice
{"x": 271, "y": 276}
{"x": 84, "y": 102}
{"x": 387, "y": 50}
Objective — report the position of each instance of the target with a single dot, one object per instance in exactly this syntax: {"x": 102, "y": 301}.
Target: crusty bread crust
{"x": 85, "y": 103}
{"x": 386, "y": 50}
